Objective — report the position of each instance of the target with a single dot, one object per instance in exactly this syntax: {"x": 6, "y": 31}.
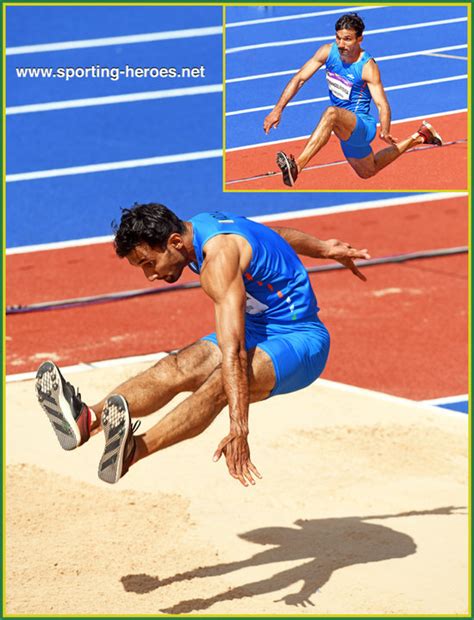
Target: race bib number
{"x": 339, "y": 86}
{"x": 254, "y": 306}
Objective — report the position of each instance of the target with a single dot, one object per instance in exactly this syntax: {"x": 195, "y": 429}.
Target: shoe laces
{"x": 74, "y": 390}
{"x": 136, "y": 426}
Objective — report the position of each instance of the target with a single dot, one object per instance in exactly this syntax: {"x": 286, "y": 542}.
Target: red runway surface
{"x": 427, "y": 169}
{"x": 403, "y": 332}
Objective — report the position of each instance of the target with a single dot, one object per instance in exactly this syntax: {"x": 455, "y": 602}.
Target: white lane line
{"x": 261, "y": 76}
{"x": 447, "y": 400}
{"x": 360, "y": 206}
{"x": 154, "y": 357}
{"x": 270, "y": 217}
{"x": 85, "y": 366}
{"x": 113, "y": 165}
{"x": 451, "y": 78}
{"x": 284, "y": 18}
{"x": 452, "y": 56}
{"x": 397, "y": 122}
{"x": 59, "y": 245}
{"x": 441, "y": 22}
{"x": 113, "y": 99}
{"x": 167, "y": 35}
{"x": 353, "y": 389}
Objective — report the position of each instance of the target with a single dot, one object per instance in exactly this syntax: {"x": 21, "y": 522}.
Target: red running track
{"x": 403, "y": 332}
{"x": 428, "y": 169}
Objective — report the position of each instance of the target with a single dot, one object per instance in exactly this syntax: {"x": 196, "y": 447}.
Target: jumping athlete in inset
{"x": 268, "y": 340}
{"x": 353, "y": 79}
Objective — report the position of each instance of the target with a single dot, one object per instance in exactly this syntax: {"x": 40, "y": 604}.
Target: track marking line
{"x": 378, "y": 59}
{"x": 445, "y": 56}
{"x": 269, "y": 217}
{"x": 167, "y": 35}
{"x": 284, "y": 18}
{"x": 441, "y": 22}
{"x": 113, "y": 99}
{"x": 154, "y": 357}
{"x": 360, "y": 206}
{"x": 452, "y": 78}
{"x": 113, "y": 165}
{"x": 85, "y": 366}
{"x": 305, "y": 137}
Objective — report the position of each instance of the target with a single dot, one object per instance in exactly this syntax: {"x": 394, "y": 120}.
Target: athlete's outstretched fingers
{"x": 240, "y": 476}
{"x": 360, "y": 253}
{"x": 220, "y": 447}
{"x": 254, "y": 470}
{"x": 248, "y": 475}
{"x": 356, "y": 271}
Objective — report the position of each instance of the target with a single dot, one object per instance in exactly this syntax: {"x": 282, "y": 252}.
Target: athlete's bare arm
{"x": 293, "y": 86}
{"x": 307, "y": 245}
{"x": 371, "y": 74}
{"x": 226, "y": 258}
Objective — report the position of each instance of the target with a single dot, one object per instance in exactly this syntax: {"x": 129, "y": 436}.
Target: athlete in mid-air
{"x": 268, "y": 340}
{"x": 353, "y": 79}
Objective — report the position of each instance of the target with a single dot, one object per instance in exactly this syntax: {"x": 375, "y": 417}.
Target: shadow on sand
{"x": 322, "y": 545}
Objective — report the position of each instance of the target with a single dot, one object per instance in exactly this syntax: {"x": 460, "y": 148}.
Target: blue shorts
{"x": 299, "y": 351}
{"x": 358, "y": 145}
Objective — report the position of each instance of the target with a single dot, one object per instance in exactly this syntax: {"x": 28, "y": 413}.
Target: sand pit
{"x": 362, "y": 510}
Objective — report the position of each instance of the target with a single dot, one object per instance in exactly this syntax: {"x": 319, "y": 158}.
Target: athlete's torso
{"x": 347, "y": 89}
{"x": 276, "y": 283}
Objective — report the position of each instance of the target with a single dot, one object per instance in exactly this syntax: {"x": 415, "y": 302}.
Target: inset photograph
{"x": 325, "y": 98}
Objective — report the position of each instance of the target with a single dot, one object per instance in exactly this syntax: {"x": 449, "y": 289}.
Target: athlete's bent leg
{"x": 339, "y": 120}
{"x": 372, "y": 164}
{"x": 192, "y": 416}
{"x": 178, "y": 372}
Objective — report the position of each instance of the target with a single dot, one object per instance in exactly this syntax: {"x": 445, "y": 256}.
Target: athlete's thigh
{"x": 197, "y": 361}
{"x": 262, "y": 378}
{"x": 345, "y": 123}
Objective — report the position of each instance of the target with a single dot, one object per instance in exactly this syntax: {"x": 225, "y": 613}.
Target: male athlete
{"x": 268, "y": 340}
{"x": 353, "y": 79}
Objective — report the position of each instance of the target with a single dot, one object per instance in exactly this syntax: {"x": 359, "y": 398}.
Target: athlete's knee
{"x": 174, "y": 368}
{"x": 330, "y": 114}
{"x": 365, "y": 173}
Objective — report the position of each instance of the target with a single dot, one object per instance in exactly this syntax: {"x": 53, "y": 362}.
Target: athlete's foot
{"x": 429, "y": 134}
{"x": 288, "y": 167}
{"x": 69, "y": 416}
{"x": 119, "y": 450}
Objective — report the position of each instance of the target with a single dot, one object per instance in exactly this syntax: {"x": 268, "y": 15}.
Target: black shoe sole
{"x": 50, "y": 394}
{"x": 116, "y": 425}
{"x": 285, "y": 166}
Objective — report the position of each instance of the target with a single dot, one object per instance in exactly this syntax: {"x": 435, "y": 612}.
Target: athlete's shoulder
{"x": 327, "y": 51}
{"x": 370, "y": 71}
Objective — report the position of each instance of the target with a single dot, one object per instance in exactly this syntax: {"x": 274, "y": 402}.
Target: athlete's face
{"x": 160, "y": 264}
{"x": 348, "y": 44}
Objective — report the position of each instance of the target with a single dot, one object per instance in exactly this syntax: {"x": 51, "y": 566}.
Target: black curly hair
{"x": 351, "y": 21}
{"x": 150, "y": 223}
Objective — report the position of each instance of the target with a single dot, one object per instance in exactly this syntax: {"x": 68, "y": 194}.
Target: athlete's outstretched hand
{"x": 272, "y": 120}
{"x": 237, "y": 456}
{"x": 388, "y": 138}
{"x": 345, "y": 254}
